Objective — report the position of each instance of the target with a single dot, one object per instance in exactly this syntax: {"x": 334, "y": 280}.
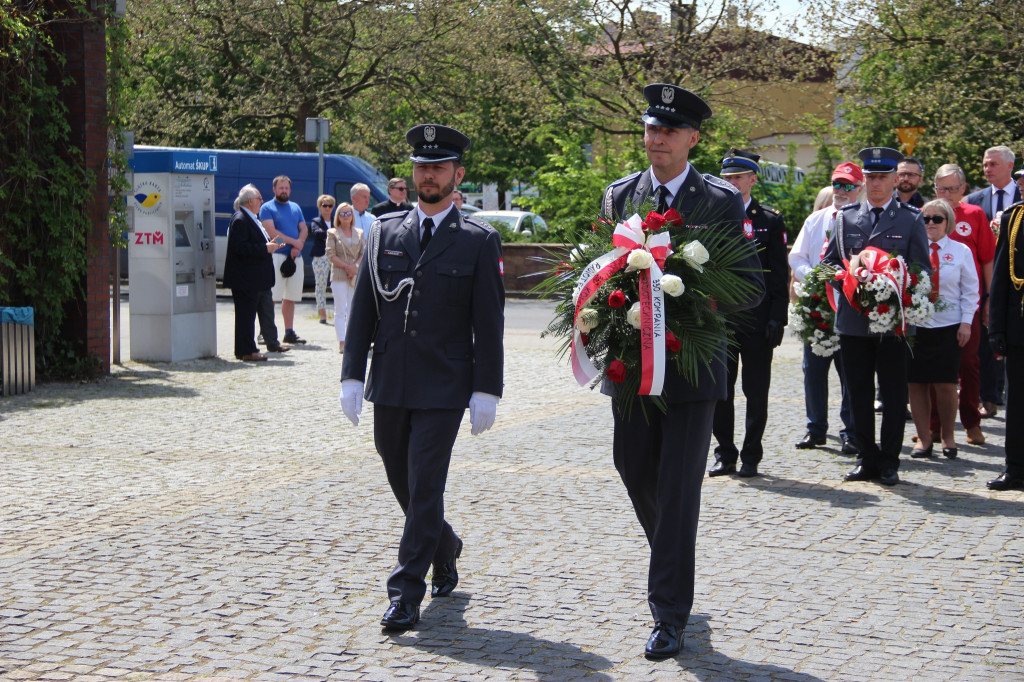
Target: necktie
{"x": 877, "y": 210}
{"x": 999, "y": 201}
{"x": 935, "y": 271}
{"x": 428, "y": 229}
{"x": 661, "y": 197}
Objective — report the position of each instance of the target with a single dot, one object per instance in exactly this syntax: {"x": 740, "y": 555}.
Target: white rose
{"x": 576, "y": 254}
{"x": 633, "y": 315}
{"x": 587, "y": 320}
{"x": 639, "y": 259}
{"x": 696, "y": 255}
{"x": 672, "y": 285}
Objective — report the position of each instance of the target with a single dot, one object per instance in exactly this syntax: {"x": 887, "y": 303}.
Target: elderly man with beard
{"x": 429, "y": 301}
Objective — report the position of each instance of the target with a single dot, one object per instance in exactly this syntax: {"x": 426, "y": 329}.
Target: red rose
{"x": 882, "y": 308}
{"x": 815, "y": 315}
{"x": 893, "y": 264}
{"x": 616, "y": 371}
{"x": 913, "y": 280}
{"x": 584, "y": 338}
{"x": 672, "y": 217}
{"x": 907, "y": 300}
{"x": 823, "y": 326}
{"x": 654, "y": 222}
{"x": 617, "y": 299}
{"x": 815, "y": 297}
{"x": 672, "y": 343}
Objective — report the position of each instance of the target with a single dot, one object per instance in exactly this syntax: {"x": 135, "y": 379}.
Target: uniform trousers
{"x": 992, "y": 371}
{"x": 1015, "y": 411}
{"x": 756, "y": 376}
{"x": 863, "y": 358}
{"x": 661, "y": 458}
{"x": 245, "y": 301}
{"x": 970, "y": 386}
{"x": 416, "y": 447}
{"x": 265, "y": 313}
{"x": 816, "y": 393}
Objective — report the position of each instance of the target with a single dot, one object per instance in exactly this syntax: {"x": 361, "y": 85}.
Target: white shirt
{"x": 258, "y": 222}
{"x": 364, "y": 220}
{"x": 809, "y": 245}
{"x": 438, "y": 218}
{"x": 958, "y": 284}
{"x": 673, "y": 185}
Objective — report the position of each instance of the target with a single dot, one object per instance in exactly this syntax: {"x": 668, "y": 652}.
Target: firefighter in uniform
{"x": 757, "y": 332}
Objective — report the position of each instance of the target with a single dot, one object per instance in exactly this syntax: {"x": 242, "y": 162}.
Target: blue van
{"x": 233, "y": 169}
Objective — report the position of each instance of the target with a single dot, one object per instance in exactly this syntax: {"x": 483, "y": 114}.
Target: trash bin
{"x": 17, "y": 350}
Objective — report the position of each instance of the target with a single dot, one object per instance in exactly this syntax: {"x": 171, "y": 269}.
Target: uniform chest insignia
{"x": 894, "y": 236}
{"x": 388, "y": 252}
{"x": 947, "y": 257}
{"x": 748, "y": 229}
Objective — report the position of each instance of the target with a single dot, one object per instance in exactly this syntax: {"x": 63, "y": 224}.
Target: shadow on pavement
{"x": 446, "y": 632}
{"x": 833, "y": 494}
{"x": 958, "y": 503}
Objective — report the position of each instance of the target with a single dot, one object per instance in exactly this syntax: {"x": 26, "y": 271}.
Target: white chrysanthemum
{"x": 798, "y": 289}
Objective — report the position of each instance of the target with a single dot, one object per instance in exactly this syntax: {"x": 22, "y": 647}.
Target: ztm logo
{"x": 146, "y": 238}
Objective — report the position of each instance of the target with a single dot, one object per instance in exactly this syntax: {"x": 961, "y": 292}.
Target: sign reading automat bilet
{"x": 172, "y": 293}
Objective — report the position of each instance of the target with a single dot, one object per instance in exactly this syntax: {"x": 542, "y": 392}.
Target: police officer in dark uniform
{"x": 896, "y": 228}
{"x": 661, "y": 456}
{"x": 757, "y": 332}
{"x": 429, "y": 301}
{"x": 1006, "y": 337}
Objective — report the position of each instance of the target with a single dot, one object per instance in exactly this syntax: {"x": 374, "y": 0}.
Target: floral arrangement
{"x": 640, "y": 294}
{"x": 890, "y": 293}
{"x": 811, "y": 316}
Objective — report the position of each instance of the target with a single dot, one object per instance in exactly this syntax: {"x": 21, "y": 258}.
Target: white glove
{"x": 352, "y": 399}
{"x": 482, "y": 407}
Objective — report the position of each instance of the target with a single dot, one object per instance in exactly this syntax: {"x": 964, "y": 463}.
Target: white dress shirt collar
{"x": 673, "y": 185}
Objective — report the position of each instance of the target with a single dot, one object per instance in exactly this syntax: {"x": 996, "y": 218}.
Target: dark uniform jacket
{"x": 247, "y": 265}
{"x": 1005, "y": 315}
{"x": 900, "y": 232}
{"x": 450, "y": 345}
{"x": 703, "y": 200}
{"x": 768, "y": 230}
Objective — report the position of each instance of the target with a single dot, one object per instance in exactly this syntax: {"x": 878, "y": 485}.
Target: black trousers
{"x": 864, "y": 358}
{"x": 756, "y": 378}
{"x": 265, "y": 312}
{"x": 661, "y": 460}
{"x": 416, "y": 447}
{"x": 245, "y": 321}
{"x": 1014, "y": 444}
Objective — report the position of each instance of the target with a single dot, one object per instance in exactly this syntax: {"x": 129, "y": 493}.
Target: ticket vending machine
{"x": 172, "y": 293}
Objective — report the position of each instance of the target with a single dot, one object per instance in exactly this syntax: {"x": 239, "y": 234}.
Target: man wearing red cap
{"x": 808, "y": 248}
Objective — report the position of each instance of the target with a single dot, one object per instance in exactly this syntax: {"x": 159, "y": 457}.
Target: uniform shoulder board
{"x": 478, "y": 223}
{"x": 913, "y": 208}
{"x": 719, "y": 182}
{"x": 770, "y": 211}
{"x": 624, "y": 180}
{"x": 855, "y": 206}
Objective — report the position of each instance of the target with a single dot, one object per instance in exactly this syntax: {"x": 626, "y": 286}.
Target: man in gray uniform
{"x": 429, "y": 301}
{"x": 896, "y": 228}
{"x": 661, "y": 456}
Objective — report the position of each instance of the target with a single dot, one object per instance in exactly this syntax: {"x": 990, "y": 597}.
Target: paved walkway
{"x": 219, "y": 520}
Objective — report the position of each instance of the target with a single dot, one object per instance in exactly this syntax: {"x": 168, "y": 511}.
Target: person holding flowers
{"x": 935, "y": 362}
{"x": 872, "y": 247}
{"x": 662, "y": 437}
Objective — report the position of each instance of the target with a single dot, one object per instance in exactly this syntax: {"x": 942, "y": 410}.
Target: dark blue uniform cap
{"x": 879, "y": 159}
{"x": 433, "y": 143}
{"x": 671, "y": 106}
{"x": 738, "y": 161}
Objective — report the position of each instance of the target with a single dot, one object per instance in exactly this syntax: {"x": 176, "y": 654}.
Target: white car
{"x": 522, "y": 222}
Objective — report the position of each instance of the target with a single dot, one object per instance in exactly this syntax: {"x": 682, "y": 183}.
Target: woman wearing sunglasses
{"x": 345, "y": 244}
{"x": 318, "y": 227}
{"x": 935, "y": 360}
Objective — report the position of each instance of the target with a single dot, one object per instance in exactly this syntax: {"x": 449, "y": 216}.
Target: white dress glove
{"x": 482, "y": 408}
{"x": 352, "y": 399}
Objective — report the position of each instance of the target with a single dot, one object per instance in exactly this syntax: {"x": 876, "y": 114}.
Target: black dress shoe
{"x": 917, "y": 453}
{"x": 810, "y": 441}
{"x": 445, "y": 577}
{"x": 1006, "y": 482}
{"x": 949, "y": 453}
{"x": 889, "y": 477}
{"x": 722, "y": 469}
{"x": 849, "y": 448}
{"x": 747, "y": 471}
{"x": 860, "y": 473}
{"x": 400, "y": 616}
{"x": 666, "y": 640}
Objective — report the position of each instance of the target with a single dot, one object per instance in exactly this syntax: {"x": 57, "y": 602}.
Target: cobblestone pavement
{"x": 219, "y": 520}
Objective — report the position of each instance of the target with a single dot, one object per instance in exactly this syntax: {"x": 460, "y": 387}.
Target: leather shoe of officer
{"x": 848, "y": 447}
{"x": 666, "y": 641}
{"x": 747, "y": 470}
{"x": 722, "y": 469}
{"x": 810, "y": 441}
{"x": 860, "y": 473}
{"x": 889, "y": 477}
{"x": 400, "y": 616}
{"x": 445, "y": 577}
{"x": 1006, "y": 482}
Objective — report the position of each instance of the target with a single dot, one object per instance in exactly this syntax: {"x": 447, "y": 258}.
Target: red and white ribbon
{"x": 870, "y": 264}
{"x": 628, "y": 236}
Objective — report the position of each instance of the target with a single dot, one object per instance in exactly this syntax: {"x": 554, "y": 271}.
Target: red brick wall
{"x": 84, "y": 46}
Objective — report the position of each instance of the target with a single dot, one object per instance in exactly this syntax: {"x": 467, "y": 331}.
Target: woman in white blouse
{"x": 344, "y": 250}
{"x": 935, "y": 360}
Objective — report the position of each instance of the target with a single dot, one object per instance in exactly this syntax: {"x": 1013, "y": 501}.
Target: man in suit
{"x": 398, "y": 192}
{"x": 1006, "y": 334}
{"x": 895, "y": 228}
{"x": 429, "y": 301}
{"x": 661, "y": 456}
{"x": 248, "y": 270}
{"x": 758, "y": 332}
{"x": 997, "y": 165}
